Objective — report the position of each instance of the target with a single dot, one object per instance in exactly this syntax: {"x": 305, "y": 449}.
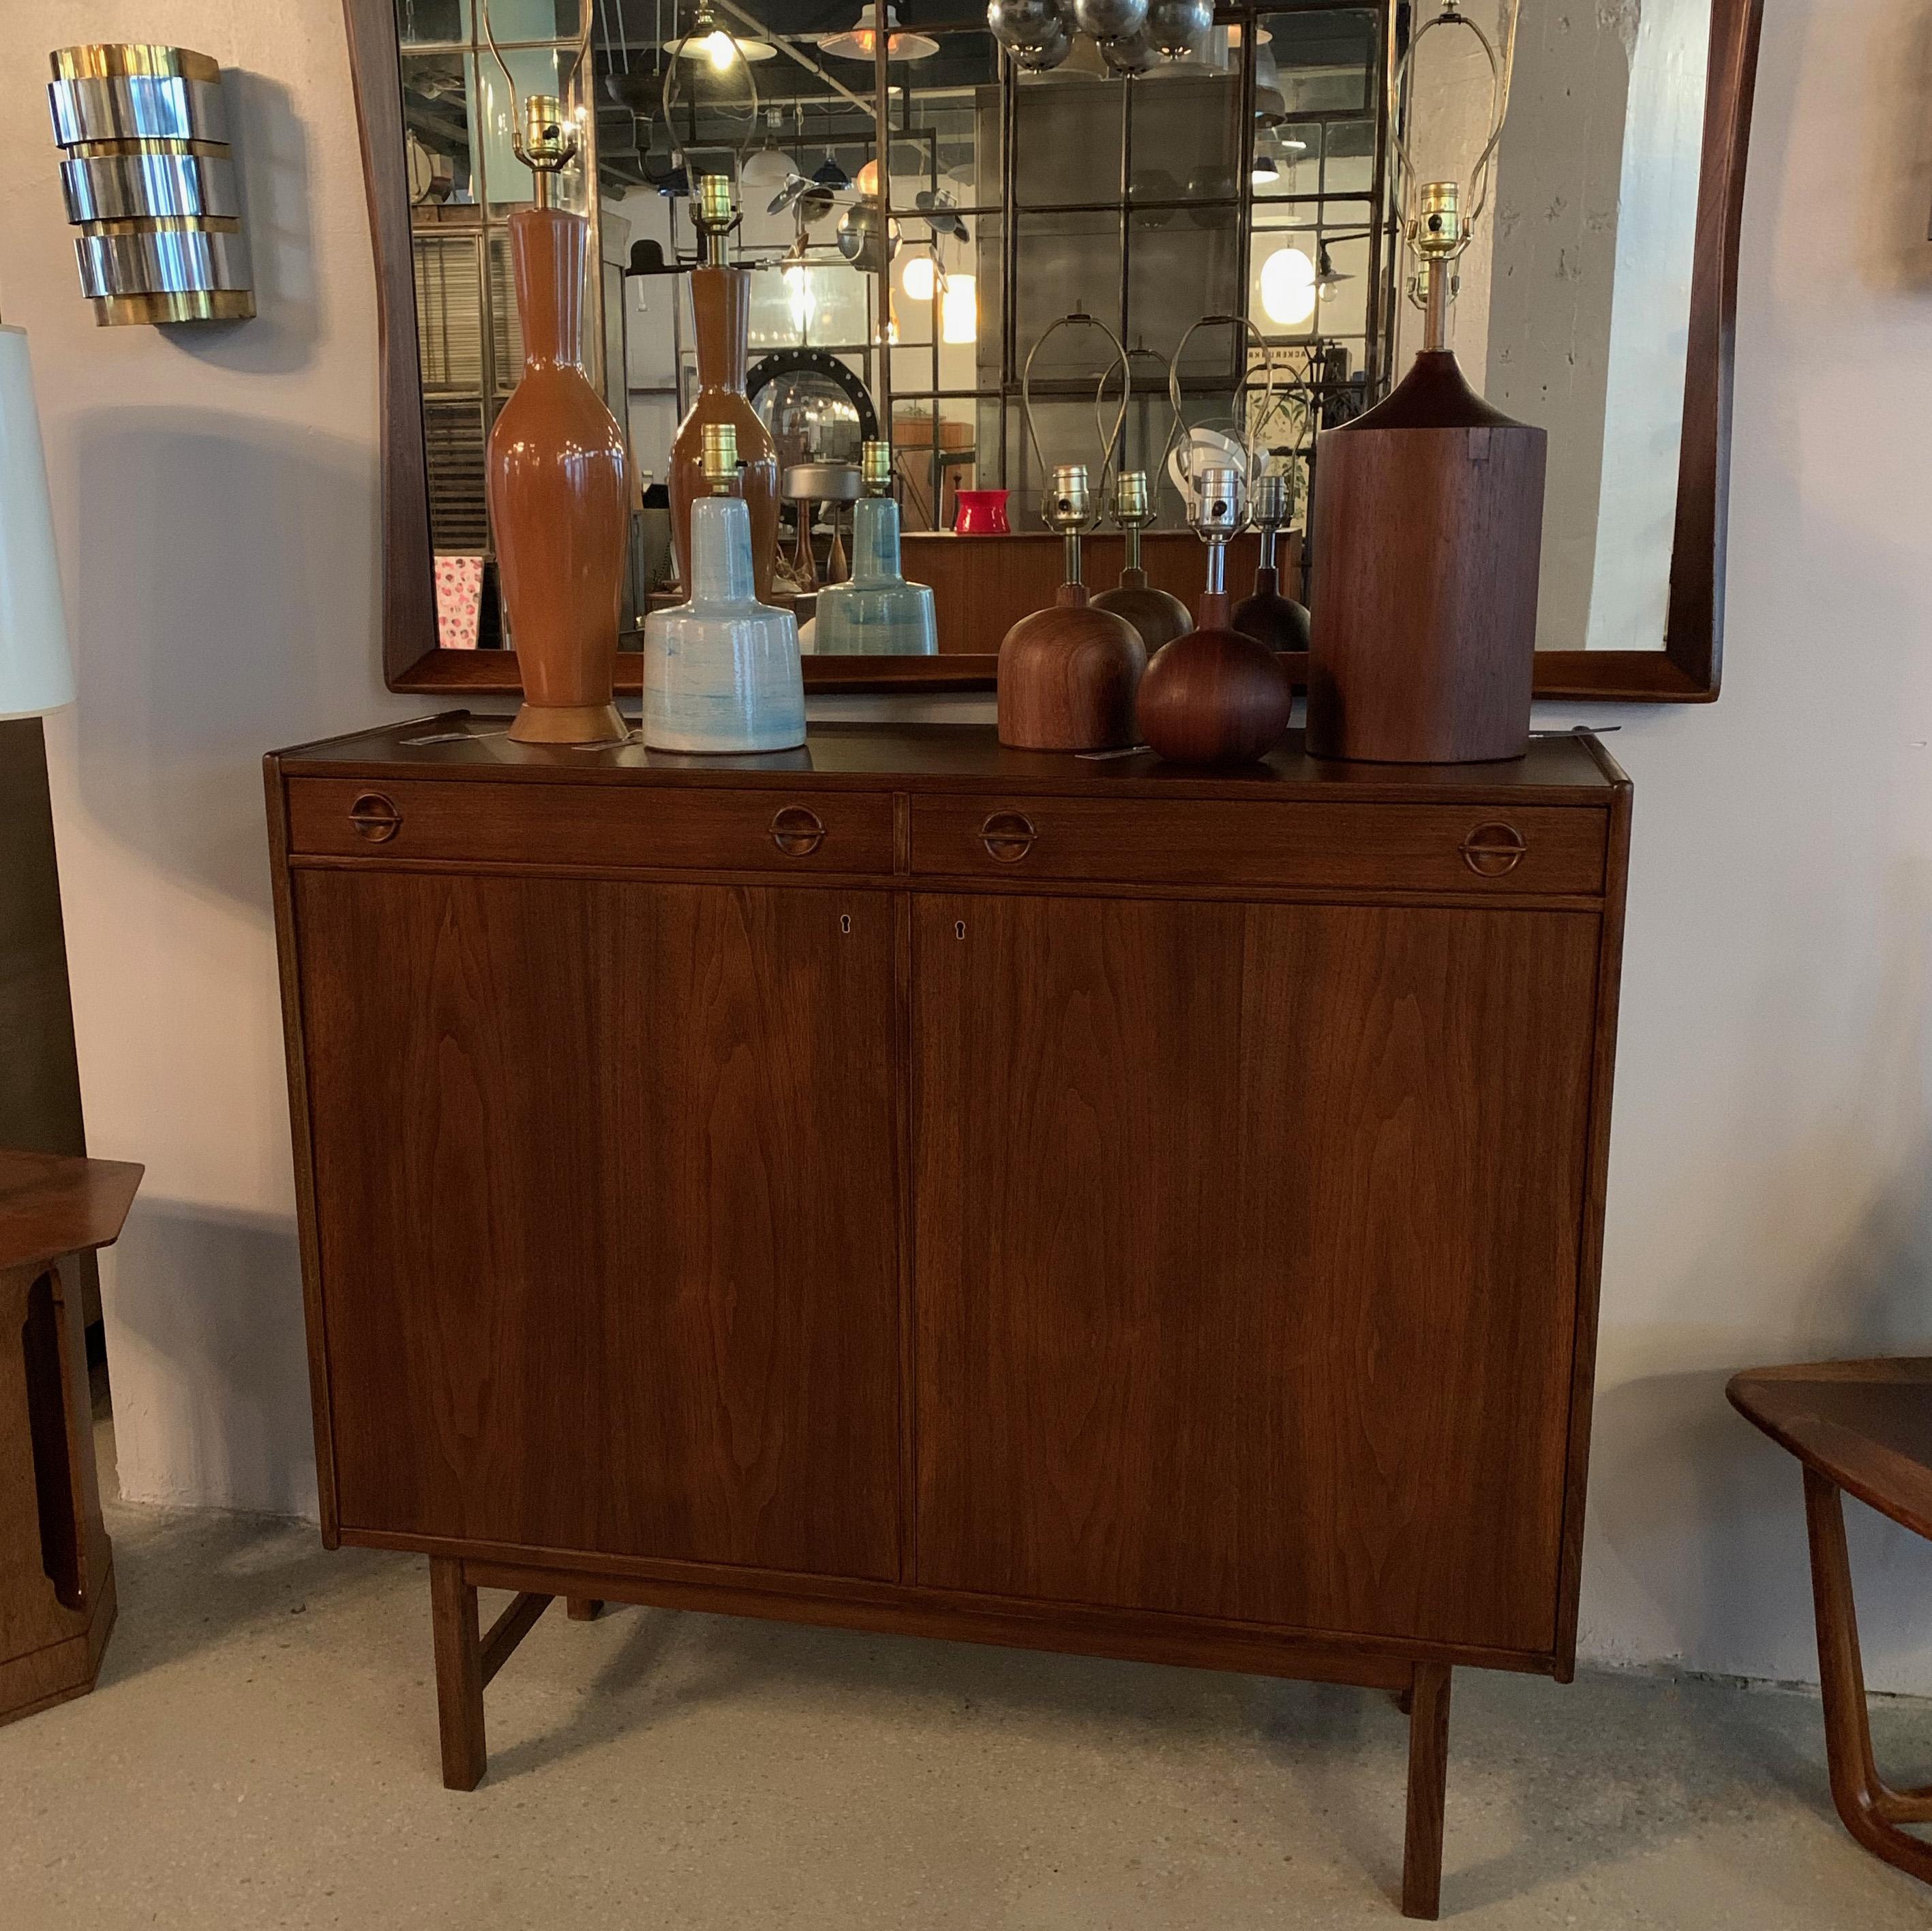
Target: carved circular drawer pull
{"x": 796, "y": 831}
{"x": 376, "y": 817}
{"x": 1491, "y": 850}
{"x": 1008, "y": 836}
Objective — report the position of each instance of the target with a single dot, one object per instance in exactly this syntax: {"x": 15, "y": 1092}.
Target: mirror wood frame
{"x": 1686, "y": 670}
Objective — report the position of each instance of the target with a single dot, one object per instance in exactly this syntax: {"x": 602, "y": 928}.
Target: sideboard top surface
{"x": 1568, "y": 769}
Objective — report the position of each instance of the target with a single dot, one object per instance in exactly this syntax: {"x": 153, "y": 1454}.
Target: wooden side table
{"x": 56, "y": 1569}
{"x": 1864, "y": 1428}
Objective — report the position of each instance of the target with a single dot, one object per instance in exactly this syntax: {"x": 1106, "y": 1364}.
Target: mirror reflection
{"x": 910, "y": 249}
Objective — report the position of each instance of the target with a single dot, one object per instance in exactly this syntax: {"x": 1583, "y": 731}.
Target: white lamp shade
{"x": 36, "y": 669}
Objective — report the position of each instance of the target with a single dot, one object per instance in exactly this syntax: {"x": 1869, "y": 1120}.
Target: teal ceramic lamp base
{"x": 721, "y": 672}
{"x": 878, "y": 613}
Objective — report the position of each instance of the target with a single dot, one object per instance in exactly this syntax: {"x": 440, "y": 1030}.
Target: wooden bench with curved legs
{"x": 1862, "y": 1428}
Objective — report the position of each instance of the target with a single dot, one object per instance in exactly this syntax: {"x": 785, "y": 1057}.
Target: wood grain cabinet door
{"x": 606, "y": 1187}
{"x": 1247, "y": 1242}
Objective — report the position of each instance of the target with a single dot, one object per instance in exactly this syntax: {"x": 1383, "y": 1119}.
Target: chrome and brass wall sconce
{"x": 150, "y": 184}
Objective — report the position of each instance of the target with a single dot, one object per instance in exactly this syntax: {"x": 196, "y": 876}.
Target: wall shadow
{"x": 222, "y": 558}
{"x": 208, "y": 1360}
{"x": 271, "y": 156}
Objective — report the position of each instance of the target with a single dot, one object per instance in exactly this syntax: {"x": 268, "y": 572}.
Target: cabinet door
{"x": 1247, "y": 1242}
{"x": 607, "y": 1186}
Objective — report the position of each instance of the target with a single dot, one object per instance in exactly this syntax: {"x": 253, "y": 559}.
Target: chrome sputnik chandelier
{"x": 1132, "y": 35}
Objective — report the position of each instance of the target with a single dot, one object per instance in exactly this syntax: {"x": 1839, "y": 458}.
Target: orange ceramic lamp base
{"x": 569, "y": 724}
{"x": 721, "y": 307}
{"x": 559, "y": 499}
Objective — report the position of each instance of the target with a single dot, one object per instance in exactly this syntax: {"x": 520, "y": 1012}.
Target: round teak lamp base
{"x": 1068, "y": 676}
{"x": 1269, "y": 617}
{"x": 1215, "y": 696}
{"x": 1157, "y": 617}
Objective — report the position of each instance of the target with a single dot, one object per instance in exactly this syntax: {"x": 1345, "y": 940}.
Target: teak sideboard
{"x": 914, "y": 1186}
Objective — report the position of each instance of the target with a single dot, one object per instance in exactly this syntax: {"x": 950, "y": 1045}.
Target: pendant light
{"x": 919, "y": 277}
{"x": 857, "y": 42}
{"x": 771, "y": 167}
{"x": 709, "y": 39}
{"x": 1271, "y": 98}
{"x": 1288, "y": 288}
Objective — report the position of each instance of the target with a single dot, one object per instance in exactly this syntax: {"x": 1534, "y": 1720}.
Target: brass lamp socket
{"x": 714, "y": 214}
{"x": 875, "y": 466}
{"x": 1132, "y": 503}
{"x": 550, "y": 136}
{"x": 721, "y": 458}
{"x": 1438, "y": 221}
{"x": 716, "y": 209}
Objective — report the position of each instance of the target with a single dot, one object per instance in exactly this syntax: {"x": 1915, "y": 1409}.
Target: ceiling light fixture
{"x": 710, "y": 40}
{"x": 919, "y": 277}
{"x": 1327, "y": 277}
{"x": 1288, "y": 288}
{"x": 858, "y": 41}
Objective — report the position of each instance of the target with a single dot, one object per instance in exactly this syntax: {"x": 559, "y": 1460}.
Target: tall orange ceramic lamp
{"x": 721, "y": 307}
{"x": 558, "y": 475}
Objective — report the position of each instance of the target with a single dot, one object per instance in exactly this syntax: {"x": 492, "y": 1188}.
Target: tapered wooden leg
{"x": 459, "y": 1674}
{"x": 584, "y": 1609}
{"x": 1428, "y": 1783}
{"x": 1870, "y": 1810}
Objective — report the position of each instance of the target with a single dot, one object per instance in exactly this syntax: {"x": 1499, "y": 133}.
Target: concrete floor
{"x": 262, "y": 1752}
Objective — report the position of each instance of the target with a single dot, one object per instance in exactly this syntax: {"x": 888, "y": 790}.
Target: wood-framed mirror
{"x": 1602, "y": 306}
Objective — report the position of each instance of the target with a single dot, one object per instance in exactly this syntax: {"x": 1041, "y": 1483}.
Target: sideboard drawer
{"x": 1479, "y": 848}
{"x": 591, "y": 825}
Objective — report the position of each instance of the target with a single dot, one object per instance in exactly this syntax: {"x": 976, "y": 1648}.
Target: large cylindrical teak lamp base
{"x": 1429, "y": 513}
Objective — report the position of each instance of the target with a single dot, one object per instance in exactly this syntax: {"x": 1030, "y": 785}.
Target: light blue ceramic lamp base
{"x": 721, "y": 672}
{"x": 878, "y": 613}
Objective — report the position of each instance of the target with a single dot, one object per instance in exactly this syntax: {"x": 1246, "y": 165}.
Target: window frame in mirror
{"x": 1686, "y": 670}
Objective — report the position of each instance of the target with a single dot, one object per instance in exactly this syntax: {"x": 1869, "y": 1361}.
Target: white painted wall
{"x": 1770, "y": 1187}
{"x": 216, "y": 497}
